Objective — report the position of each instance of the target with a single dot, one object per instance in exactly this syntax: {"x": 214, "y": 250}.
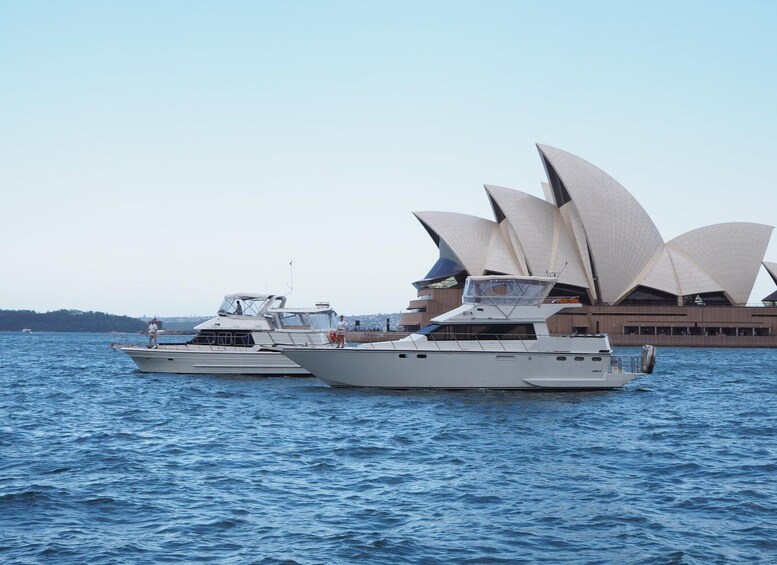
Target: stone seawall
{"x": 693, "y": 340}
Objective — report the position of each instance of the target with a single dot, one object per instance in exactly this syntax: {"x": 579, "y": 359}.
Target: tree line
{"x": 67, "y": 321}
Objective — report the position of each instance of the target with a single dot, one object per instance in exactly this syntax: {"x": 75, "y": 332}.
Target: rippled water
{"x": 102, "y": 464}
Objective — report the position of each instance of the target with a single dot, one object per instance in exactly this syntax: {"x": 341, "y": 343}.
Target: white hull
{"x": 397, "y": 369}
{"x": 192, "y": 359}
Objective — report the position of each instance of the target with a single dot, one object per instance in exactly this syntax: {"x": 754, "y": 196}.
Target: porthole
{"x": 421, "y": 355}
{"x": 596, "y": 358}
{"x": 403, "y": 355}
{"x": 578, "y": 358}
{"x": 561, "y": 358}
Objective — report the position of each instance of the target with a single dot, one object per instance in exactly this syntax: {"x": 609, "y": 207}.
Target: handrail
{"x": 480, "y": 341}
{"x": 619, "y": 364}
{"x": 427, "y": 344}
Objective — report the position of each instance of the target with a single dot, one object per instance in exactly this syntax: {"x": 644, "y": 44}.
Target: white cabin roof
{"x": 252, "y": 296}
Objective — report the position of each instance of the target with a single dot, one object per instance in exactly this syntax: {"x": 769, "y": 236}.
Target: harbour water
{"x": 102, "y": 464}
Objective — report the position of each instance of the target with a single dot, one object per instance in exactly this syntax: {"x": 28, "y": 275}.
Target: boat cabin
{"x": 496, "y": 307}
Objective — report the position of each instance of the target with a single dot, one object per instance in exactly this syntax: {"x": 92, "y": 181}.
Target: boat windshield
{"x": 323, "y": 320}
{"x": 306, "y": 320}
{"x": 525, "y": 291}
{"x": 244, "y": 305}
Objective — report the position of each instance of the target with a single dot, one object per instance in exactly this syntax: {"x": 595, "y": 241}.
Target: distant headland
{"x": 78, "y": 321}
{"x": 68, "y": 321}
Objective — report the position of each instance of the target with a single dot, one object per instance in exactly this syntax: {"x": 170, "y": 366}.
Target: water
{"x": 102, "y": 464}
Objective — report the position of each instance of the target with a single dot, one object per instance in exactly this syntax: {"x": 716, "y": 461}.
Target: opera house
{"x": 608, "y": 255}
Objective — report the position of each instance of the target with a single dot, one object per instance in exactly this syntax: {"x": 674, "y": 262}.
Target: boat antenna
{"x": 557, "y": 274}
{"x": 291, "y": 277}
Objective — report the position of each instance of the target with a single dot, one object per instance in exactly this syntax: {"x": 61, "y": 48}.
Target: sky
{"x": 155, "y": 156}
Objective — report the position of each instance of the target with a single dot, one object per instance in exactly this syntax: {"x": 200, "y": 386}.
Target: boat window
{"x": 458, "y": 332}
{"x": 323, "y": 320}
{"x": 596, "y": 358}
{"x": 243, "y": 339}
{"x": 236, "y": 339}
{"x": 205, "y": 337}
{"x": 561, "y": 358}
{"x": 292, "y": 320}
{"x": 249, "y": 306}
{"x": 578, "y": 359}
{"x": 507, "y": 290}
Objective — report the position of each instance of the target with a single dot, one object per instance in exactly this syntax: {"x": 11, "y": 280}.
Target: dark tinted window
{"x": 210, "y": 337}
{"x": 451, "y": 332}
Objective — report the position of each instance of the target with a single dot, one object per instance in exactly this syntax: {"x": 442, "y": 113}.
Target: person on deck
{"x": 341, "y": 329}
{"x": 152, "y": 330}
{"x": 238, "y": 309}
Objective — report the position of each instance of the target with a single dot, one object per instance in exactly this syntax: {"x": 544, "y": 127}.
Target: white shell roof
{"x": 730, "y": 253}
{"x": 509, "y": 235}
{"x": 574, "y": 226}
{"x": 621, "y": 236}
{"x": 660, "y": 274}
{"x": 540, "y": 229}
{"x": 601, "y": 223}
{"x": 691, "y": 278}
{"x": 500, "y": 257}
{"x": 469, "y": 237}
{"x": 771, "y": 268}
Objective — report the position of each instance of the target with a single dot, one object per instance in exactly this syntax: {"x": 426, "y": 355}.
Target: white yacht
{"x": 498, "y": 338}
{"x": 242, "y": 339}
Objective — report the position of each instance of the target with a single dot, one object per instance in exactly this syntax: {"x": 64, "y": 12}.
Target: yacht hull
{"x": 213, "y": 361}
{"x": 397, "y": 369}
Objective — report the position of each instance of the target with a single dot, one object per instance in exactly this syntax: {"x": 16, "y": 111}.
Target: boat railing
{"x": 626, "y": 364}
{"x": 562, "y": 300}
{"x": 305, "y": 338}
{"x": 481, "y": 342}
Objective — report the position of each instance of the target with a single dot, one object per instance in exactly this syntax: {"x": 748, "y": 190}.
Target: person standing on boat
{"x": 341, "y": 329}
{"x": 152, "y": 329}
{"x": 238, "y": 309}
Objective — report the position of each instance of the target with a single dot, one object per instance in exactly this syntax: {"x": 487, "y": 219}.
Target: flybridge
{"x": 506, "y": 289}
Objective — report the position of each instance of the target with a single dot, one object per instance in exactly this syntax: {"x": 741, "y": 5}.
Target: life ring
{"x": 648, "y": 358}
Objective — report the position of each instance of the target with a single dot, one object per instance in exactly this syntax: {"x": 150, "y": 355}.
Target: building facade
{"x": 608, "y": 255}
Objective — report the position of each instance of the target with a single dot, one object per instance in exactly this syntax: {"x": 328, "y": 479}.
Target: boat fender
{"x": 333, "y": 336}
{"x": 648, "y": 358}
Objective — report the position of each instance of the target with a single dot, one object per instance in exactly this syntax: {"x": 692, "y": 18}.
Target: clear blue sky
{"x": 155, "y": 156}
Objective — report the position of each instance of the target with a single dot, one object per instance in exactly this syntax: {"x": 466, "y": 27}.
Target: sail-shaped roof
{"x": 469, "y": 237}
{"x": 771, "y": 268}
{"x": 620, "y": 235}
{"x": 591, "y": 230}
{"x": 545, "y": 242}
{"x": 729, "y": 253}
